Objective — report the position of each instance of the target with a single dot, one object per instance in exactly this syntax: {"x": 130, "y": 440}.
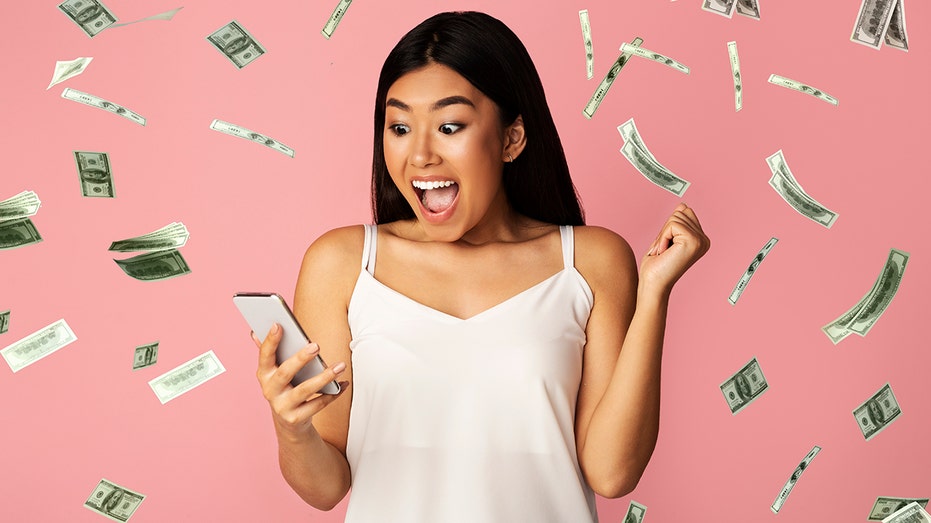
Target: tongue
{"x": 438, "y": 200}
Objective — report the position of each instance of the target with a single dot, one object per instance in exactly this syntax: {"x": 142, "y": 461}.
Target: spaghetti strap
{"x": 567, "y": 235}
{"x": 369, "y": 248}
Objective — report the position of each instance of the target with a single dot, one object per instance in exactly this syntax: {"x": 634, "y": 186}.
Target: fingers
{"x": 681, "y": 226}
{"x": 267, "y": 350}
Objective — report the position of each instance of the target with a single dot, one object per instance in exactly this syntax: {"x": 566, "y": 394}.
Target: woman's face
{"x": 445, "y": 149}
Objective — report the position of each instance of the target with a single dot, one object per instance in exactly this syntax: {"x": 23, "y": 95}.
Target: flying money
{"x": 735, "y": 72}
{"x": 637, "y": 153}
{"x": 788, "y": 83}
{"x": 876, "y": 413}
{"x": 4, "y": 321}
{"x": 186, "y": 376}
{"x": 793, "y": 479}
{"x": 166, "y": 16}
{"x": 113, "y": 501}
{"x": 94, "y": 173}
{"x": 885, "y": 506}
{"x": 587, "y": 40}
{"x": 751, "y": 270}
{"x": 18, "y": 233}
{"x": 598, "y": 96}
{"x": 20, "y": 205}
{"x": 721, "y": 7}
{"x": 791, "y": 191}
{"x": 100, "y": 103}
{"x": 236, "y": 44}
{"x": 656, "y": 57}
{"x": 749, "y": 8}
{"x": 911, "y": 513}
{"x": 20, "y": 354}
{"x": 153, "y": 266}
{"x": 335, "y": 18}
{"x": 744, "y": 387}
{"x": 172, "y": 236}
{"x": 635, "y": 512}
{"x": 90, "y": 15}
{"x": 873, "y": 22}
{"x": 242, "y": 132}
{"x": 145, "y": 356}
{"x": 68, "y": 69}
{"x": 895, "y": 35}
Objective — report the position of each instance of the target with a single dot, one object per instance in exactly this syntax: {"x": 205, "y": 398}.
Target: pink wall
{"x": 81, "y": 414}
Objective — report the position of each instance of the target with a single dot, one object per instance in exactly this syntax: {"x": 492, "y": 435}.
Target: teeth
{"x": 426, "y": 186}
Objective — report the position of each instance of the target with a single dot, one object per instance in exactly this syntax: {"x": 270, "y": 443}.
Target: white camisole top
{"x": 467, "y": 420}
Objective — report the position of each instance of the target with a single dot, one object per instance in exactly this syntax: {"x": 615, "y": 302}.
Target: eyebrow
{"x": 439, "y": 104}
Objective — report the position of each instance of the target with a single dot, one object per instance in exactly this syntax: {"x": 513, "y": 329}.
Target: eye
{"x": 450, "y": 128}
{"x": 399, "y": 129}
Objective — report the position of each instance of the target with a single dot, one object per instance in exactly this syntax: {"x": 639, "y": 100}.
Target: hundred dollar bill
{"x": 152, "y": 266}
{"x": 587, "y": 40}
{"x": 882, "y": 293}
{"x": 166, "y": 16}
{"x": 236, "y": 44}
{"x": 145, "y": 356}
{"x": 629, "y": 133}
{"x": 874, "y": 415}
{"x": 895, "y": 35}
{"x": 911, "y": 513}
{"x": 744, "y": 387}
{"x": 172, "y": 236}
{"x": 113, "y": 501}
{"x": 242, "y": 132}
{"x": 186, "y": 376}
{"x": 635, "y": 512}
{"x": 721, "y": 7}
{"x": 751, "y": 270}
{"x": 94, "y": 172}
{"x": 335, "y": 18}
{"x": 788, "y": 83}
{"x": 90, "y": 15}
{"x": 100, "y": 103}
{"x": 21, "y": 205}
{"x": 793, "y": 479}
{"x": 837, "y": 330}
{"x": 598, "y": 96}
{"x": 873, "y": 22}
{"x": 652, "y": 170}
{"x": 68, "y": 69}
{"x": 656, "y": 57}
{"x": 38, "y": 345}
{"x": 791, "y": 191}
{"x": 735, "y": 72}
{"x": 18, "y": 233}
{"x": 749, "y": 8}
{"x": 886, "y": 506}
{"x": 4, "y": 321}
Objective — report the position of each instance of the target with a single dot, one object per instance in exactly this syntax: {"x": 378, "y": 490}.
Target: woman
{"x": 504, "y": 365}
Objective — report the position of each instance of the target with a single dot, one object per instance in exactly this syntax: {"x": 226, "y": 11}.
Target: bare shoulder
{"x": 332, "y": 261}
{"x": 604, "y": 257}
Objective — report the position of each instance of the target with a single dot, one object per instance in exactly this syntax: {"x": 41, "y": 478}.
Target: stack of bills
{"x": 16, "y": 229}
{"x": 162, "y": 259}
{"x": 881, "y": 21}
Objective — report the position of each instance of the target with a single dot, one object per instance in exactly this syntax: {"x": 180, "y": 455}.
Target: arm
{"x": 617, "y": 416}
{"x": 312, "y": 428}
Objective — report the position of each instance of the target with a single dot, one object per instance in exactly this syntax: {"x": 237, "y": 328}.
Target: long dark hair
{"x": 491, "y": 57}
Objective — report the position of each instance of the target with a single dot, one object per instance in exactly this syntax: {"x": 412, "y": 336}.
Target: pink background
{"x": 82, "y": 414}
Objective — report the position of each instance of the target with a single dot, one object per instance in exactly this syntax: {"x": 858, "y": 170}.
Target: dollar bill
{"x": 629, "y": 133}
{"x": 39, "y": 344}
{"x": 882, "y": 293}
{"x": 21, "y": 205}
{"x": 242, "y": 132}
{"x": 751, "y": 270}
{"x": 895, "y": 35}
{"x": 788, "y": 83}
{"x": 791, "y": 191}
{"x": 653, "y": 171}
{"x": 68, "y": 69}
{"x": 876, "y": 413}
{"x": 18, "y": 233}
{"x": 721, "y": 7}
{"x": 145, "y": 356}
{"x": 100, "y": 103}
{"x": 90, "y": 15}
{"x": 166, "y": 16}
{"x": 744, "y": 387}
{"x": 911, "y": 513}
{"x": 749, "y": 8}
{"x": 94, "y": 173}
{"x": 872, "y": 22}
{"x": 598, "y": 96}
{"x": 236, "y": 44}
{"x": 837, "y": 330}
{"x": 735, "y": 72}
{"x": 152, "y": 266}
{"x": 793, "y": 479}
{"x": 172, "y": 236}
{"x": 886, "y": 506}
{"x": 186, "y": 376}
{"x": 335, "y": 18}
{"x": 635, "y": 512}
{"x": 587, "y": 40}
{"x": 4, "y": 321}
{"x": 113, "y": 501}
{"x": 656, "y": 57}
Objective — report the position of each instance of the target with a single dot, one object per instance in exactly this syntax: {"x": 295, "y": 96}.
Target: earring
{"x": 510, "y": 158}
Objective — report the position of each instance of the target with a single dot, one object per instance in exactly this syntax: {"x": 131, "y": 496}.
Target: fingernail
{"x": 311, "y": 349}
{"x": 339, "y": 368}
{"x": 274, "y": 328}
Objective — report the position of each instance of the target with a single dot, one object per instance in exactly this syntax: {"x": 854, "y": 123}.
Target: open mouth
{"x": 436, "y": 197}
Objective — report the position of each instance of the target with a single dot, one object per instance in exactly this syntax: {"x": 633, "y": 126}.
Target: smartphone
{"x": 261, "y": 310}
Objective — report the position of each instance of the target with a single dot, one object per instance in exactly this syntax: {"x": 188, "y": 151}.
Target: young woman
{"x": 502, "y": 360}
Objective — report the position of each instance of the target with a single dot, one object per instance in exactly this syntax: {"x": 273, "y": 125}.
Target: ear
{"x": 515, "y": 139}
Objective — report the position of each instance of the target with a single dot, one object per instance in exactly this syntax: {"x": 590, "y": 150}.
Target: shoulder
{"x": 333, "y": 259}
{"x": 604, "y": 257}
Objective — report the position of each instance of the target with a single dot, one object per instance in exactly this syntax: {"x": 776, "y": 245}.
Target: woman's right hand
{"x": 293, "y": 408}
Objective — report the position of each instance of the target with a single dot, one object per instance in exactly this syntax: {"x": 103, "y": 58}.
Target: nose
{"x": 422, "y": 153}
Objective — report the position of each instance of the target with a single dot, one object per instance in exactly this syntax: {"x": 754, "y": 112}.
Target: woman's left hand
{"x": 680, "y": 243}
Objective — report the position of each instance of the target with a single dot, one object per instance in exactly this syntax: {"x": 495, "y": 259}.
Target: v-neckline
{"x": 483, "y": 312}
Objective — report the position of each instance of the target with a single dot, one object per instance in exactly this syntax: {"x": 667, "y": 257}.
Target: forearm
{"x": 316, "y": 470}
{"x": 622, "y": 433}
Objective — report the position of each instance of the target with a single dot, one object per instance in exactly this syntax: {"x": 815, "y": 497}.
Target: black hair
{"x": 491, "y": 57}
